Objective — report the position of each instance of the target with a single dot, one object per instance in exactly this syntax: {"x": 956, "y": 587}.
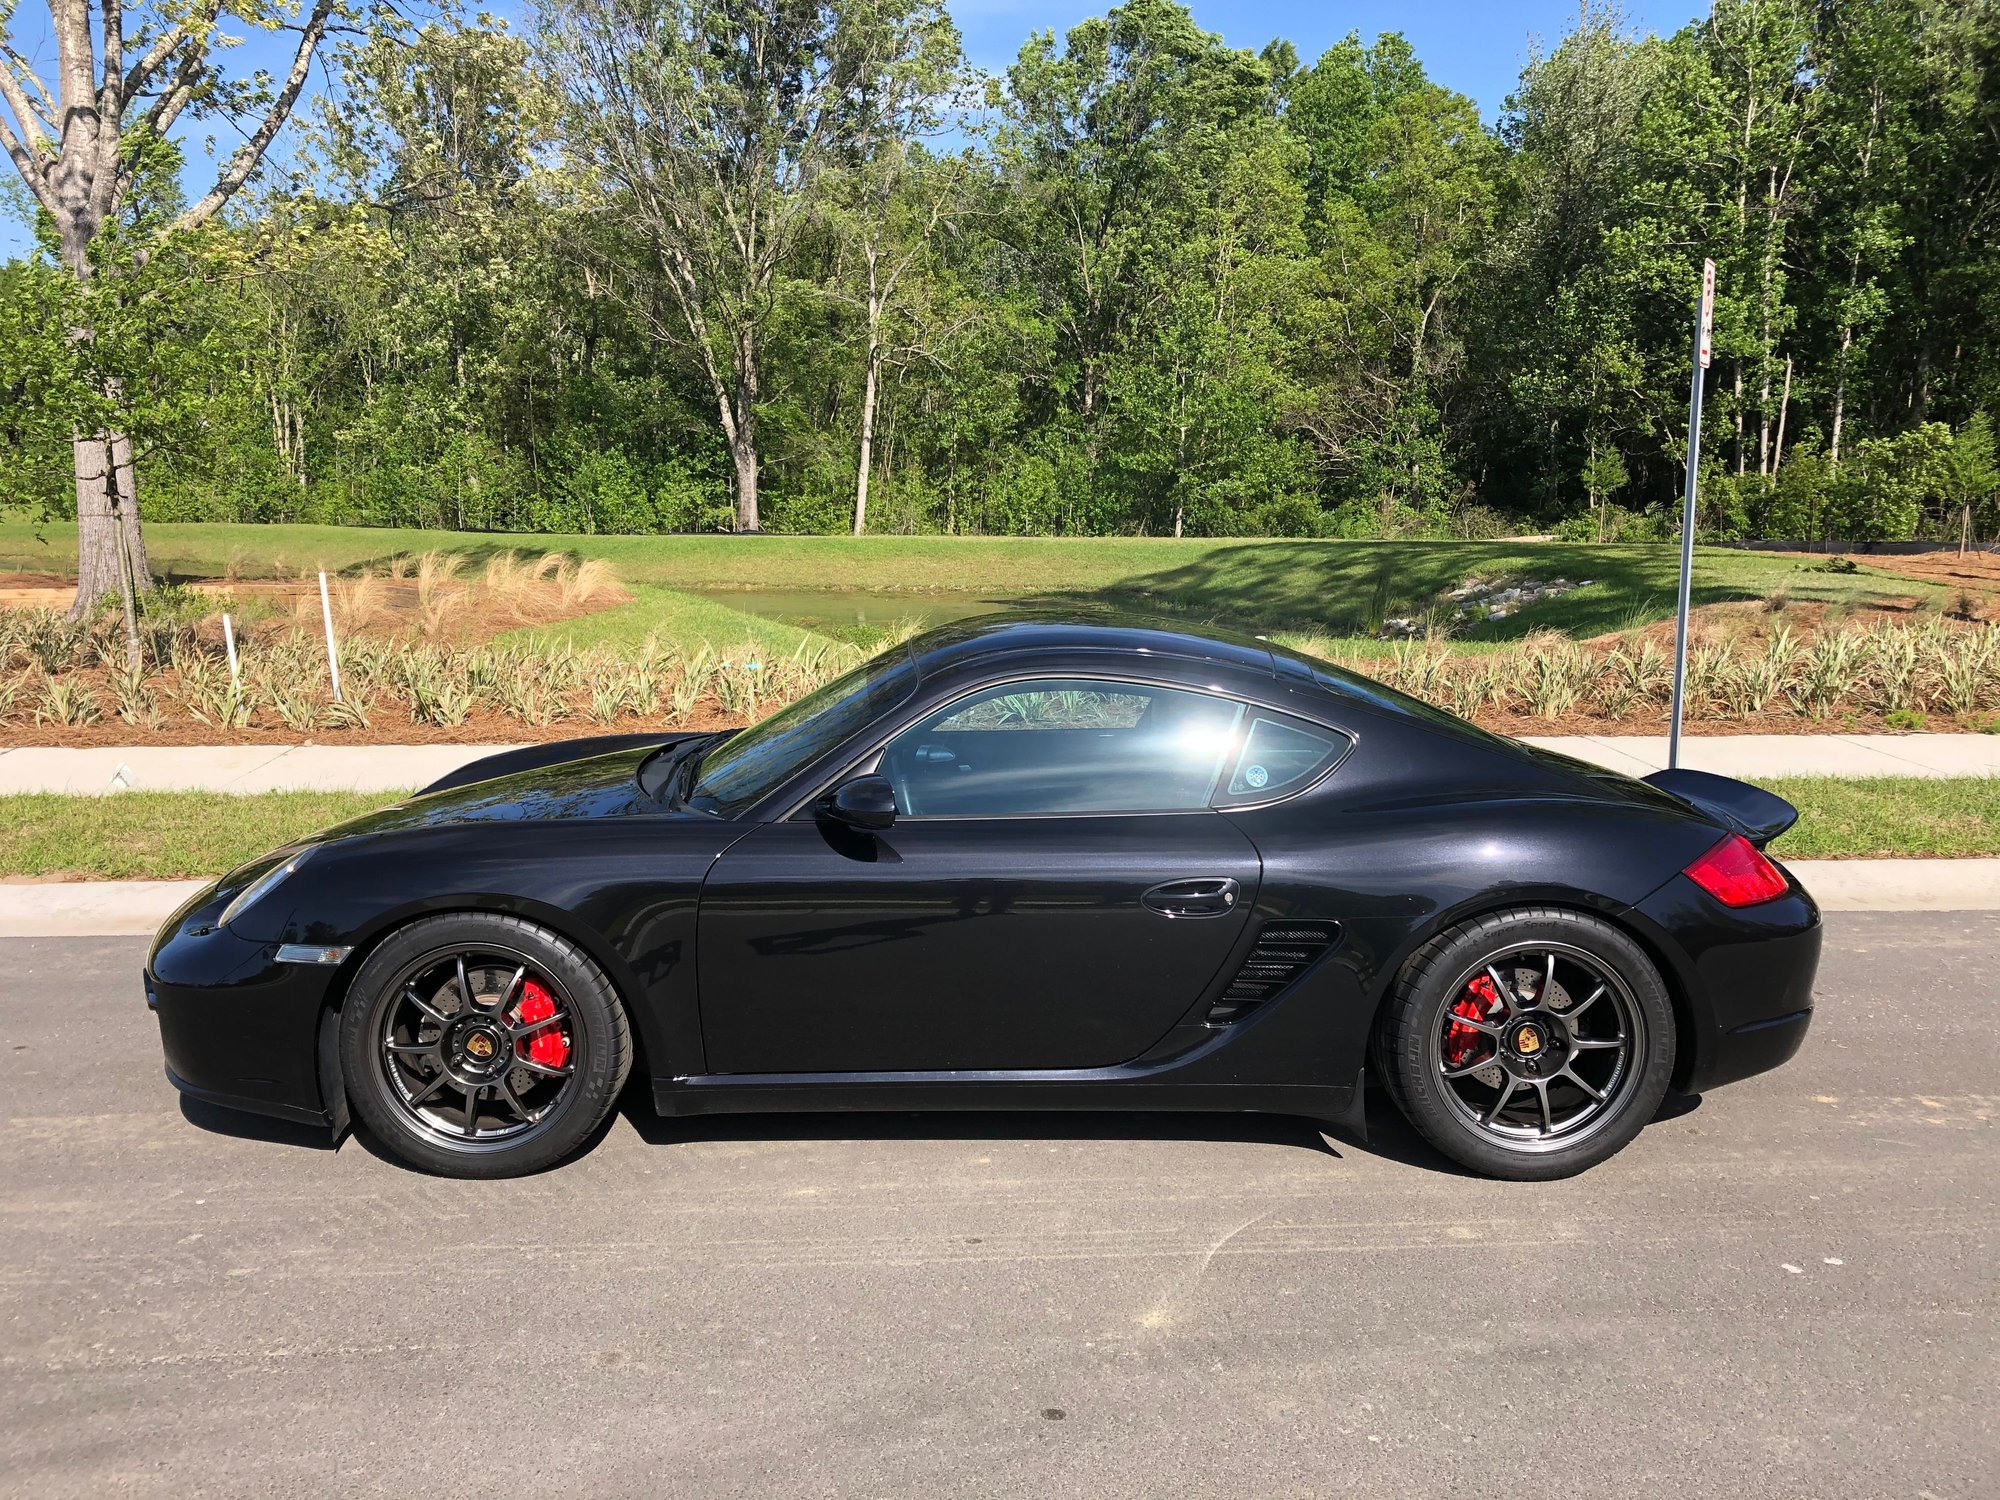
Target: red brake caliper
{"x": 1462, "y": 1041}
{"x": 550, "y": 1046}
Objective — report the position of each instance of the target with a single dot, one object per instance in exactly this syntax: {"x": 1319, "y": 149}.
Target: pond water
{"x": 851, "y": 613}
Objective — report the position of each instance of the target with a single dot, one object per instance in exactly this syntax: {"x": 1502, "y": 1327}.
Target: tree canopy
{"x": 680, "y": 264}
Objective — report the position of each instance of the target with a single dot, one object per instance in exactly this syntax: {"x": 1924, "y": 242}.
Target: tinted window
{"x": 1064, "y": 746}
{"x": 750, "y": 765}
{"x": 1280, "y": 756}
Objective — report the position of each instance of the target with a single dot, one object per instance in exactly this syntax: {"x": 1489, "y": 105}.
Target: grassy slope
{"x": 1337, "y": 587}
{"x": 164, "y": 835}
{"x": 672, "y": 616}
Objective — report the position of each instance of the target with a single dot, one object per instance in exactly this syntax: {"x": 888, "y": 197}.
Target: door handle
{"x": 1208, "y": 897}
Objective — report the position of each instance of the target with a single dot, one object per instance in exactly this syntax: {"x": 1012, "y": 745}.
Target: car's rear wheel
{"x": 1529, "y": 1044}
{"x": 480, "y": 1045}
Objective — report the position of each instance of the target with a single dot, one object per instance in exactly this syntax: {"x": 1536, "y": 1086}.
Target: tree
{"x": 1970, "y": 477}
{"x": 1560, "y": 366}
{"x": 1871, "y": 79}
{"x": 714, "y": 133}
{"x": 121, "y": 82}
{"x": 1725, "y": 139}
{"x": 1402, "y": 232}
{"x": 898, "y": 197}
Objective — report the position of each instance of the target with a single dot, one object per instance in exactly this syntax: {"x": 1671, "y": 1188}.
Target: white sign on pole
{"x": 1705, "y": 334}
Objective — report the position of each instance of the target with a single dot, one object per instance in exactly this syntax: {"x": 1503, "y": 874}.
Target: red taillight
{"x": 1736, "y": 873}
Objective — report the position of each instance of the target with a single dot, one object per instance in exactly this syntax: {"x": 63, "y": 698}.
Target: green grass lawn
{"x": 1338, "y": 588}
{"x": 171, "y": 835}
{"x": 161, "y": 835}
{"x": 672, "y": 616}
{"x": 1890, "y": 816}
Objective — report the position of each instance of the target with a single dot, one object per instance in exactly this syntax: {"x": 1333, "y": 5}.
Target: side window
{"x": 1279, "y": 755}
{"x": 1064, "y": 746}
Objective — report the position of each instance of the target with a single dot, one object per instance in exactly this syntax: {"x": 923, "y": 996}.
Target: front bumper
{"x": 238, "y": 1027}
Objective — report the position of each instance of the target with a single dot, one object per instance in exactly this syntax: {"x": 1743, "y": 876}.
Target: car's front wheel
{"x": 1528, "y": 1044}
{"x": 481, "y": 1045}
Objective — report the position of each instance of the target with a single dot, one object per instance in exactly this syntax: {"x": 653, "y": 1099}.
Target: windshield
{"x": 748, "y": 766}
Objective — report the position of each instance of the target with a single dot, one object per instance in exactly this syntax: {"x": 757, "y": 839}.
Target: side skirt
{"x": 1338, "y": 1105}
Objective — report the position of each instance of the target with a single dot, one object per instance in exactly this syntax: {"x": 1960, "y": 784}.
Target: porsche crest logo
{"x": 479, "y": 1044}
{"x": 1528, "y": 1041}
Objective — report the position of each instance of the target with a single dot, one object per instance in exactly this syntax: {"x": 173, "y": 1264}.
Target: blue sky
{"x": 1476, "y": 48}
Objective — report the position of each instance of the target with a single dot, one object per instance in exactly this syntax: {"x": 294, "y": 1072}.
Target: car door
{"x": 1054, "y": 893}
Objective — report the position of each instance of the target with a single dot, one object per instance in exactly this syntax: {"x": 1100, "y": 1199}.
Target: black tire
{"x": 592, "y": 1020}
{"x": 1413, "y": 1043}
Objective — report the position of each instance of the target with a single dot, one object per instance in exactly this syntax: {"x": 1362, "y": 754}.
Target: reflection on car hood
{"x": 597, "y": 786}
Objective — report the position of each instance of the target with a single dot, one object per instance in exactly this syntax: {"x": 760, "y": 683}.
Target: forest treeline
{"x": 650, "y": 265}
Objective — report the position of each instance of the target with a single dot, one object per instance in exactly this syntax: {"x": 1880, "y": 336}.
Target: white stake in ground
{"x": 1704, "y": 326}
{"x": 332, "y": 656}
{"x": 229, "y": 645}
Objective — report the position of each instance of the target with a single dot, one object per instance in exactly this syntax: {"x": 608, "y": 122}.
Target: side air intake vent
{"x": 1284, "y": 951}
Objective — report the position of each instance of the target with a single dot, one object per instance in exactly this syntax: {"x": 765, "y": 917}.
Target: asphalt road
{"x": 1789, "y": 1288}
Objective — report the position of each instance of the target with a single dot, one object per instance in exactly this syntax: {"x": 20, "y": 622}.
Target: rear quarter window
{"x": 1280, "y": 755}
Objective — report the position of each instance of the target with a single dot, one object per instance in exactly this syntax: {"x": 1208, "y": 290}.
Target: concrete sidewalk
{"x": 115, "y": 908}
{"x": 384, "y": 768}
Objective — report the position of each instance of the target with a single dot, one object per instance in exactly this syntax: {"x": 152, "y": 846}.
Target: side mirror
{"x": 864, "y": 802}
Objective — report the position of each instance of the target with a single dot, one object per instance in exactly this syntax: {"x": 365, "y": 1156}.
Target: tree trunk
{"x": 109, "y": 546}
{"x": 1840, "y": 392}
{"x": 1784, "y": 410}
{"x": 870, "y": 381}
{"x": 868, "y": 398}
{"x": 97, "y": 528}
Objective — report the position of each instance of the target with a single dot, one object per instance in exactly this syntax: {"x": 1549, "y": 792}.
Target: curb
{"x": 91, "y": 908}
{"x": 136, "y": 908}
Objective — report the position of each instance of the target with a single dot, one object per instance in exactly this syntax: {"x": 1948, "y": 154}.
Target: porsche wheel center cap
{"x": 1535, "y": 1043}
{"x": 480, "y": 1045}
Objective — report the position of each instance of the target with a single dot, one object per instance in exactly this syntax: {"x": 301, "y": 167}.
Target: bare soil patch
{"x": 1974, "y": 579}
{"x": 435, "y": 602}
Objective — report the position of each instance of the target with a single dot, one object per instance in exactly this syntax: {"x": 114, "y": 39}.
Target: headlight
{"x": 262, "y": 886}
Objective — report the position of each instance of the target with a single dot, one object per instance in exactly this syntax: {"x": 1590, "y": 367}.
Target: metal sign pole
{"x": 1704, "y": 323}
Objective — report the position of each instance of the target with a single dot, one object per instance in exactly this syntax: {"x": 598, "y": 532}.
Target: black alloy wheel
{"x": 482, "y": 1045}
{"x": 1529, "y": 1044}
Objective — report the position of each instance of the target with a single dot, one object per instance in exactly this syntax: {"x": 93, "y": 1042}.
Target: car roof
{"x": 1054, "y": 633}
{"x": 1042, "y": 632}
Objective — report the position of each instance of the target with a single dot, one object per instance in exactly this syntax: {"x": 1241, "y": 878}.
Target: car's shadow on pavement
{"x": 1389, "y": 1137}
{"x": 239, "y": 1125}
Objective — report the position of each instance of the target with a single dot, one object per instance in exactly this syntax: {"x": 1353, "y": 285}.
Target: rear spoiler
{"x": 1749, "y": 810}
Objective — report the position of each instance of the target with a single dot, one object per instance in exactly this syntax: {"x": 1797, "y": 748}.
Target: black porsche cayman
{"x": 1017, "y": 863}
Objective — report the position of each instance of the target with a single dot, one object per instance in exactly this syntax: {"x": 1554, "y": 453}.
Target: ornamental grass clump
{"x": 64, "y": 674}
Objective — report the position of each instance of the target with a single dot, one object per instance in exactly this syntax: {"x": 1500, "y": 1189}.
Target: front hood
{"x": 595, "y": 786}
